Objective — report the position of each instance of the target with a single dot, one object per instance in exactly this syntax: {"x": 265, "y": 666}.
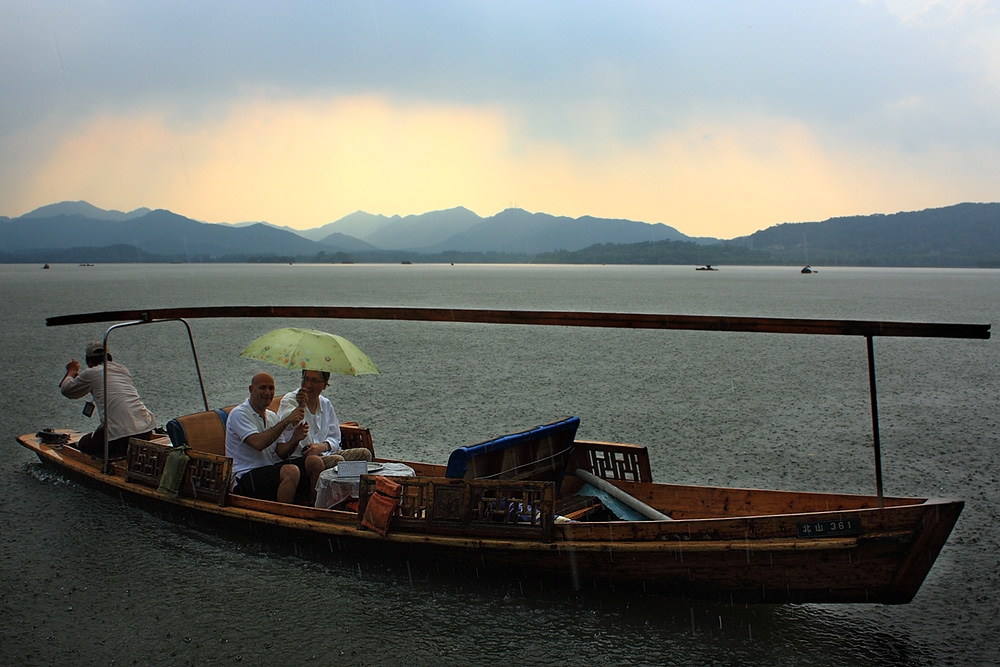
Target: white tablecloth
{"x": 332, "y": 488}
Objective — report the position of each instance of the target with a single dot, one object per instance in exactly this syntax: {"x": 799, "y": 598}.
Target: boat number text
{"x": 834, "y": 528}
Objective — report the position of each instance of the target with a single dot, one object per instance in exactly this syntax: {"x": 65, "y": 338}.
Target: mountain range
{"x": 79, "y": 225}
{"x": 961, "y": 235}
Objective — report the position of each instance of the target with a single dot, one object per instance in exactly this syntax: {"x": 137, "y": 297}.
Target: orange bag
{"x": 382, "y": 505}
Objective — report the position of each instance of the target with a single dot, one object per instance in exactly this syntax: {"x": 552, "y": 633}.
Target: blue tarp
{"x": 617, "y": 507}
{"x": 458, "y": 462}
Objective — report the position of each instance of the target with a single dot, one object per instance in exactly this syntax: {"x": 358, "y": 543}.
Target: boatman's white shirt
{"x": 127, "y": 414}
{"x": 323, "y": 424}
{"x": 243, "y": 422}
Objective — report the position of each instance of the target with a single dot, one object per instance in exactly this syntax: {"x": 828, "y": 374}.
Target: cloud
{"x": 716, "y": 120}
{"x": 307, "y": 162}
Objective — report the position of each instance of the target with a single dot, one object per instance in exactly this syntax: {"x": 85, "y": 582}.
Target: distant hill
{"x": 960, "y": 235}
{"x": 457, "y": 232}
{"x": 85, "y": 210}
{"x": 340, "y": 241}
{"x": 158, "y": 232}
{"x": 423, "y": 231}
{"x": 359, "y": 224}
{"x": 964, "y": 235}
{"x": 516, "y": 230}
{"x": 511, "y": 231}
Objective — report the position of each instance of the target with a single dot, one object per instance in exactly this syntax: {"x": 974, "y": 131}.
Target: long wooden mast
{"x": 549, "y": 318}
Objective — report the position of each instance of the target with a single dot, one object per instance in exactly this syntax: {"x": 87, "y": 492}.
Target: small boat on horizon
{"x": 707, "y": 267}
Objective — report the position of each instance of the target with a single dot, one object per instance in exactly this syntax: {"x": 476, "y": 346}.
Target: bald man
{"x": 261, "y": 464}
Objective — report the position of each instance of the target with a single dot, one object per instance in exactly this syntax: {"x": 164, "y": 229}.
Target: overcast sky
{"x": 718, "y": 118}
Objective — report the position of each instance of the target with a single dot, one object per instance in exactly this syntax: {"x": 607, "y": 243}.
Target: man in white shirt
{"x": 264, "y": 465}
{"x": 127, "y": 415}
{"x": 323, "y": 438}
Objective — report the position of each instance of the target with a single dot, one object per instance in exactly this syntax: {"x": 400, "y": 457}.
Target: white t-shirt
{"x": 243, "y": 422}
{"x": 323, "y": 424}
{"x": 127, "y": 414}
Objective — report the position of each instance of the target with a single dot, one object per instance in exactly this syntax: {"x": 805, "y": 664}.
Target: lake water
{"x": 87, "y": 578}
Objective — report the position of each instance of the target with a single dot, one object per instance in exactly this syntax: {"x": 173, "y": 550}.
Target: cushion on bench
{"x": 202, "y": 431}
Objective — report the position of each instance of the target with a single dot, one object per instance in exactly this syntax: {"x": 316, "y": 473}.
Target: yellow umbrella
{"x": 311, "y": 350}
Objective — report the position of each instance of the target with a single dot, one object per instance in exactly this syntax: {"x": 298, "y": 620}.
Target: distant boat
{"x": 406, "y": 262}
{"x": 46, "y": 266}
{"x": 707, "y": 267}
{"x": 806, "y": 269}
{"x": 176, "y": 261}
{"x": 85, "y": 264}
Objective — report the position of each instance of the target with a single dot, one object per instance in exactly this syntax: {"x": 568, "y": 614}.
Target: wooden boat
{"x": 541, "y": 504}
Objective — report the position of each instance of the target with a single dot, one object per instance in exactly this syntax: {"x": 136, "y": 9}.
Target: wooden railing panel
{"x": 206, "y": 476}
{"x": 493, "y": 508}
{"x": 612, "y": 461}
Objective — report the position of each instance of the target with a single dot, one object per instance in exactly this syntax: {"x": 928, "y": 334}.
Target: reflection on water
{"x": 89, "y": 579}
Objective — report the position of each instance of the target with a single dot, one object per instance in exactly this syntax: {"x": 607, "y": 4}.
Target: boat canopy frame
{"x": 865, "y": 328}
{"x": 194, "y": 352}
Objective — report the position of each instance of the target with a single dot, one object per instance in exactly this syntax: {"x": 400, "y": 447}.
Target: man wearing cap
{"x": 127, "y": 416}
{"x": 265, "y": 466}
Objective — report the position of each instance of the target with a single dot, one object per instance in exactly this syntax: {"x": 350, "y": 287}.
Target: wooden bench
{"x": 206, "y": 432}
{"x": 206, "y": 476}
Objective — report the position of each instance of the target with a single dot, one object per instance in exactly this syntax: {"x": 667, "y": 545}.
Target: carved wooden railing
{"x": 612, "y": 461}
{"x": 206, "y": 476}
{"x": 494, "y": 508}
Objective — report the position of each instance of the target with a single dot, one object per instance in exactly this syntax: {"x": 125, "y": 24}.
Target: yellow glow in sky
{"x": 309, "y": 162}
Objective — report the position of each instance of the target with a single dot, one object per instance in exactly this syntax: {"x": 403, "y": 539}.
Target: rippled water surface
{"x": 87, "y": 578}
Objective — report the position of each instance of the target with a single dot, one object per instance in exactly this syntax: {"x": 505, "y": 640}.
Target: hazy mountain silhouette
{"x": 338, "y": 241}
{"x": 425, "y": 230}
{"x": 965, "y": 235}
{"x": 84, "y": 209}
{"x": 516, "y": 230}
{"x": 158, "y": 232}
{"x": 72, "y": 224}
{"x": 961, "y": 235}
{"x": 359, "y": 224}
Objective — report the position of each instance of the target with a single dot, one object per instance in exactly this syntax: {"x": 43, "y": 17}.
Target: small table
{"x": 332, "y": 489}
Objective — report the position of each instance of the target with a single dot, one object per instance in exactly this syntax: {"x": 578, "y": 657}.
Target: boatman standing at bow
{"x": 323, "y": 438}
{"x": 127, "y": 415}
{"x": 265, "y": 466}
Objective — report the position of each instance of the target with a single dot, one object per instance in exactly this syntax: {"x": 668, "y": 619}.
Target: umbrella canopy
{"x": 310, "y": 350}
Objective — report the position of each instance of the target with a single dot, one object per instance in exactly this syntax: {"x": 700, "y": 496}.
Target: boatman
{"x": 323, "y": 438}
{"x": 265, "y": 466}
{"x": 127, "y": 415}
